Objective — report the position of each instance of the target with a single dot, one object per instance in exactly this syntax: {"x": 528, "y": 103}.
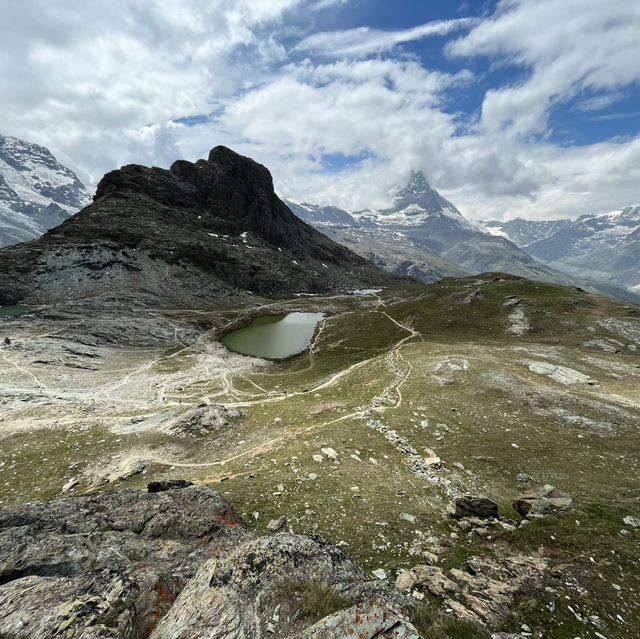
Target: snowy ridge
{"x": 36, "y": 191}
{"x": 415, "y": 205}
{"x": 603, "y": 245}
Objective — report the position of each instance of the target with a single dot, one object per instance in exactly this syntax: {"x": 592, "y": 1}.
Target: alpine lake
{"x": 274, "y": 336}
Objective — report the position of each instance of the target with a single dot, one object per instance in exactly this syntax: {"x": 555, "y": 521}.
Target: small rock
{"x": 632, "y": 521}
{"x": 473, "y": 506}
{"x": 330, "y": 453}
{"x": 318, "y": 458}
{"x": 167, "y": 484}
{"x": 407, "y": 517}
{"x": 464, "y": 525}
{"x": 542, "y": 501}
{"x": 70, "y": 484}
{"x": 524, "y": 478}
{"x": 312, "y": 476}
{"x": 276, "y": 524}
{"x": 379, "y": 573}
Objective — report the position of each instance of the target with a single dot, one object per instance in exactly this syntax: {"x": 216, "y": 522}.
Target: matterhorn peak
{"x": 418, "y": 194}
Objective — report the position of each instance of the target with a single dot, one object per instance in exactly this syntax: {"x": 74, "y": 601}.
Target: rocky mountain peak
{"x": 41, "y": 172}
{"x": 419, "y": 194}
{"x": 189, "y": 233}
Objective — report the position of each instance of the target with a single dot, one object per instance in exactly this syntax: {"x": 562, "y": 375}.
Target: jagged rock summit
{"x": 183, "y": 235}
{"x": 36, "y": 191}
{"x": 418, "y": 204}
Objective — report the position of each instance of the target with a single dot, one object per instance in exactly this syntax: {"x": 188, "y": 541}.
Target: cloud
{"x": 115, "y": 83}
{"x": 363, "y": 41}
{"x": 566, "y": 48}
{"x": 107, "y": 73}
{"x": 598, "y": 178}
{"x": 383, "y": 110}
{"x": 327, "y": 4}
{"x": 599, "y": 102}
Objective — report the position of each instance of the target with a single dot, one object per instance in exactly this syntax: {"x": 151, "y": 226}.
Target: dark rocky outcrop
{"x": 175, "y": 563}
{"x": 473, "y": 506}
{"x": 186, "y": 234}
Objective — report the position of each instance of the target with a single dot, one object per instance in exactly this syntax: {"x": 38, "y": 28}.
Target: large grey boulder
{"x": 177, "y": 563}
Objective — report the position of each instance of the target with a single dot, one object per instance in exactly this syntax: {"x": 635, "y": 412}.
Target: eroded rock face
{"x": 175, "y": 563}
{"x": 112, "y": 560}
{"x": 482, "y": 593}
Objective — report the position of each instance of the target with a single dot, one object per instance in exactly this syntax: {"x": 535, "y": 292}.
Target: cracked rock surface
{"x": 174, "y": 563}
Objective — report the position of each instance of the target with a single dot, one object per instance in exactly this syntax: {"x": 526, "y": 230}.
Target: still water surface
{"x": 6, "y": 311}
{"x": 274, "y": 336}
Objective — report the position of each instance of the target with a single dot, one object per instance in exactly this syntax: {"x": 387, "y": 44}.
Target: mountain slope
{"x": 185, "y": 235}
{"x": 36, "y": 191}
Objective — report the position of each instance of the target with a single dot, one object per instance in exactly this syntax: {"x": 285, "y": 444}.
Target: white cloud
{"x": 598, "y": 178}
{"x": 599, "y": 102}
{"x": 74, "y": 74}
{"x": 104, "y": 84}
{"x": 363, "y": 41}
{"x": 386, "y": 109}
{"x": 566, "y": 47}
{"x": 327, "y": 4}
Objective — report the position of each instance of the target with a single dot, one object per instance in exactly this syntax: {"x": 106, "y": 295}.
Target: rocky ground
{"x": 408, "y": 399}
{"x": 178, "y": 562}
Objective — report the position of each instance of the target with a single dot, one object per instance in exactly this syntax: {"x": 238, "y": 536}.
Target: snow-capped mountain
{"x": 36, "y": 191}
{"x": 422, "y": 232}
{"x": 424, "y": 235}
{"x": 604, "y": 246}
{"x": 416, "y": 205}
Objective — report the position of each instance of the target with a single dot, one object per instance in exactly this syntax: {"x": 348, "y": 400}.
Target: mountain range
{"x": 36, "y": 191}
{"x": 604, "y": 246}
{"x": 424, "y": 235}
{"x": 421, "y": 235}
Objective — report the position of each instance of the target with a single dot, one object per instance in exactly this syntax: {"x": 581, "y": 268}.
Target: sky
{"x": 511, "y": 108}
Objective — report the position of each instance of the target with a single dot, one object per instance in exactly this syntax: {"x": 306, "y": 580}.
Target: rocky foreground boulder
{"x": 178, "y": 563}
